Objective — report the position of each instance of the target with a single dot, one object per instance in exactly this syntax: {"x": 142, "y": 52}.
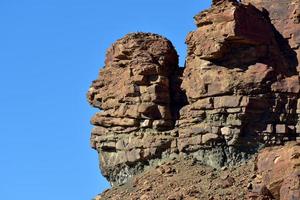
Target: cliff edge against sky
{"x": 234, "y": 104}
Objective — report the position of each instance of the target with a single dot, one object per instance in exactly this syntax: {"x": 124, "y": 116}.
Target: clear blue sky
{"x": 50, "y": 51}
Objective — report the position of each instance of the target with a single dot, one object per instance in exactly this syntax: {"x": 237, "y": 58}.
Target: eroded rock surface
{"x": 134, "y": 92}
{"x": 279, "y": 171}
{"x": 241, "y": 85}
{"x": 237, "y": 93}
{"x": 272, "y": 173}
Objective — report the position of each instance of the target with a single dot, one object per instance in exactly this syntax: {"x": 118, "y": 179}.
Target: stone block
{"x": 233, "y": 110}
{"x": 185, "y": 143}
{"x": 209, "y": 137}
{"x": 120, "y": 145}
{"x": 112, "y": 121}
{"x": 281, "y": 129}
{"x": 162, "y": 125}
{"x": 202, "y": 104}
{"x": 297, "y": 128}
{"x": 133, "y": 155}
{"x": 194, "y": 130}
{"x": 227, "y": 101}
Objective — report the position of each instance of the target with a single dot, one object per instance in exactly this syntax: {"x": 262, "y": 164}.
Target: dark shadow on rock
{"x": 178, "y": 96}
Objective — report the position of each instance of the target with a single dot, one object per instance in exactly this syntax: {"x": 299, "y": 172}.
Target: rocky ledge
{"x": 237, "y": 93}
{"x": 271, "y": 175}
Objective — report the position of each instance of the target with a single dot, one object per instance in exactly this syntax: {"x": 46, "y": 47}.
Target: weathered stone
{"x": 209, "y": 137}
{"x": 261, "y": 189}
{"x": 203, "y": 104}
{"x": 277, "y": 167}
{"x": 185, "y": 143}
{"x": 162, "y": 124}
{"x": 227, "y": 101}
{"x": 195, "y": 129}
{"x": 290, "y": 84}
{"x": 112, "y": 121}
{"x": 284, "y": 15}
{"x": 281, "y": 128}
{"x": 243, "y": 32}
{"x": 297, "y": 128}
{"x": 290, "y": 188}
{"x": 133, "y": 155}
{"x": 120, "y": 145}
{"x": 133, "y": 91}
{"x": 234, "y": 110}
{"x": 239, "y": 91}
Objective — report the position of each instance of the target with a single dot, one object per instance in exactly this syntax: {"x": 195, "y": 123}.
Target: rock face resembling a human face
{"x": 239, "y": 90}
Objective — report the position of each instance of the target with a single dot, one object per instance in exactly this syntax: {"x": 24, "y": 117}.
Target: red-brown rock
{"x": 279, "y": 168}
{"x": 238, "y": 92}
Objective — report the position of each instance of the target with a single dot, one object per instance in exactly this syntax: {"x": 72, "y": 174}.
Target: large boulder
{"x": 278, "y": 169}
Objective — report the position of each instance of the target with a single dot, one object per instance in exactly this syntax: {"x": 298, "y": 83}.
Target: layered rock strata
{"x": 241, "y": 86}
{"x": 238, "y": 92}
{"x": 134, "y": 92}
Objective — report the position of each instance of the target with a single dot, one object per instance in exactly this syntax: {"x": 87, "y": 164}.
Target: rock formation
{"x": 278, "y": 169}
{"x": 134, "y": 92}
{"x": 241, "y": 86}
{"x": 237, "y": 93}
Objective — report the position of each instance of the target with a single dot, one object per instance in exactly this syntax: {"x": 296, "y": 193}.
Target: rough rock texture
{"x": 279, "y": 170}
{"x": 285, "y": 16}
{"x": 237, "y": 93}
{"x": 134, "y": 92}
{"x": 256, "y": 179}
{"x": 241, "y": 84}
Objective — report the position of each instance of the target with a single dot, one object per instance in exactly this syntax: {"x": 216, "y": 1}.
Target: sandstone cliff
{"x": 237, "y": 94}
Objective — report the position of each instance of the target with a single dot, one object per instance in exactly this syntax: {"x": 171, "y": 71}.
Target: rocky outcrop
{"x": 241, "y": 87}
{"x": 134, "y": 92}
{"x": 238, "y": 92}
